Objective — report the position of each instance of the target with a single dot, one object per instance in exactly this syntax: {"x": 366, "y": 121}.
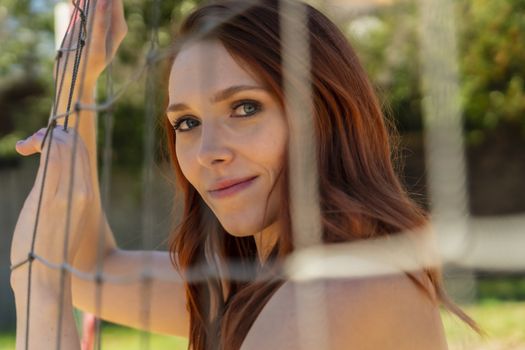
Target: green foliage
{"x": 386, "y": 43}
{"x": 7, "y": 147}
{"x": 26, "y": 71}
{"x": 491, "y": 36}
{"x": 130, "y": 110}
{"x": 492, "y": 52}
{"x": 502, "y": 288}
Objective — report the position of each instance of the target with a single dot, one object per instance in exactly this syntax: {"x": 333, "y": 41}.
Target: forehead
{"x": 202, "y": 68}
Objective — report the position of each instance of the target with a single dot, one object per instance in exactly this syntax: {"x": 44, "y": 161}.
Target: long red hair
{"x": 361, "y": 196}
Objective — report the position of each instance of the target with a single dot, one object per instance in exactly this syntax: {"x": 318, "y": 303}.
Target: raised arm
{"x": 121, "y": 302}
{"x": 108, "y": 30}
{"x": 52, "y": 295}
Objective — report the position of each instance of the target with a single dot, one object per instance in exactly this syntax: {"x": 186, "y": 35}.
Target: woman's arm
{"x": 44, "y": 313}
{"x": 42, "y": 293}
{"x": 126, "y": 303}
{"x": 120, "y": 303}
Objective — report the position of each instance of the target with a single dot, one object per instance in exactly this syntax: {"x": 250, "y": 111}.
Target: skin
{"x": 368, "y": 313}
{"x": 242, "y": 135}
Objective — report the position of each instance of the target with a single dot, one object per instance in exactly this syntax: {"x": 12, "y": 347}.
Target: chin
{"x": 239, "y": 230}
{"x": 245, "y": 226}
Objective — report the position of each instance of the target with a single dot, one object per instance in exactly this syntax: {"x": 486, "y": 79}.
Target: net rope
{"x": 311, "y": 261}
{"x": 81, "y": 12}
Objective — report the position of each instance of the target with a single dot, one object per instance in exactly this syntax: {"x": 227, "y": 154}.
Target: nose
{"x": 214, "y": 149}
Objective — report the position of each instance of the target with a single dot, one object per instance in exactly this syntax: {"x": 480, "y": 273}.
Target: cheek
{"x": 186, "y": 162}
{"x": 273, "y": 151}
{"x": 271, "y": 143}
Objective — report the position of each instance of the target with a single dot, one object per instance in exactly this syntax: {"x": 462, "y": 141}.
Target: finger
{"x": 32, "y": 144}
{"x": 101, "y": 20}
{"x": 83, "y": 166}
{"x": 51, "y": 165}
{"x": 52, "y": 143}
{"x": 83, "y": 161}
{"x": 71, "y": 152}
{"x": 119, "y": 19}
{"x": 85, "y": 170}
{"x": 78, "y": 6}
{"x": 109, "y": 24}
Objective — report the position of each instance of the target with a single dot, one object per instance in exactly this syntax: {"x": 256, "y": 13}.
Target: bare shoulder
{"x": 381, "y": 312}
{"x": 384, "y": 312}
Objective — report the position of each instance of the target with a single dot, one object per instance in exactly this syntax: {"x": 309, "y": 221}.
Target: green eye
{"x": 185, "y": 124}
{"x": 242, "y": 109}
{"x": 246, "y": 108}
{"x": 249, "y": 108}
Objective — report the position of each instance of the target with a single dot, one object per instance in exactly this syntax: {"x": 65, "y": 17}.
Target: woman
{"x": 228, "y": 135}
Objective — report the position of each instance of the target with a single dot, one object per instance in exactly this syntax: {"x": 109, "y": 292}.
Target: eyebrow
{"x": 218, "y": 97}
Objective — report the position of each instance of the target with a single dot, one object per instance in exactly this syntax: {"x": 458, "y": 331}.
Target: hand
{"x": 109, "y": 29}
{"x": 51, "y": 230}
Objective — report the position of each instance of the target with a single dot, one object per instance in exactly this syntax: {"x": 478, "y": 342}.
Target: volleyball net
{"x": 454, "y": 236}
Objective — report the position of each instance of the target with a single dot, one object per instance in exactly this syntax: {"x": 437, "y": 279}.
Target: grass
{"x": 504, "y": 323}
{"x": 119, "y": 338}
{"x": 116, "y": 338}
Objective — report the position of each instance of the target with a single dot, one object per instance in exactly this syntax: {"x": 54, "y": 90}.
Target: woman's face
{"x": 231, "y": 137}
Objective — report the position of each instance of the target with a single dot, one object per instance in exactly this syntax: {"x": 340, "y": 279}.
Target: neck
{"x": 266, "y": 239}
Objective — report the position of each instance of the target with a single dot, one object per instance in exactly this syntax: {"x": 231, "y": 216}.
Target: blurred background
{"x": 386, "y": 34}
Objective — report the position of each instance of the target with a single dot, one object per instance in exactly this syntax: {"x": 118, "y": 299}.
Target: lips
{"x": 224, "y": 184}
{"x": 226, "y": 188}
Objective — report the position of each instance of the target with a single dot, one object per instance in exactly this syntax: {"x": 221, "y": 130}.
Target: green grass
{"x": 118, "y": 338}
{"x": 504, "y": 323}
{"x": 7, "y": 341}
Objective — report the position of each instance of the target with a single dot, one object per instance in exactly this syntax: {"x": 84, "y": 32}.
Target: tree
{"x": 492, "y": 52}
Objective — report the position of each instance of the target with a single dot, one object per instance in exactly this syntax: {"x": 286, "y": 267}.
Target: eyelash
{"x": 237, "y": 104}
